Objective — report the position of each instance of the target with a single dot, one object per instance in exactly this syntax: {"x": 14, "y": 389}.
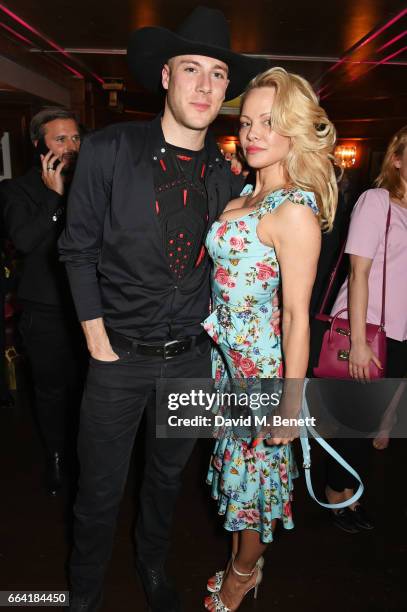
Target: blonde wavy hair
{"x": 296, "y": 113}
{"x": 389, "y": 177}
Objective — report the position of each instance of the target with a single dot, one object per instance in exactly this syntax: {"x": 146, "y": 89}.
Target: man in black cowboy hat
{"x": 141, "y": 201}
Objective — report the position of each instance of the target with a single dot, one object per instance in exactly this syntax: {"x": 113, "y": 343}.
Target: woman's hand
{"x": 276, "y": 316}
{"x": 360, "y": 354}
{"x": 360, "y": 357}
{"x": 274, "y": 441}
{"x": 278, "y": 441}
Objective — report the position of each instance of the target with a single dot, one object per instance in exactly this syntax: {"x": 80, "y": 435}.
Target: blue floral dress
{"x": 253, "y": 486}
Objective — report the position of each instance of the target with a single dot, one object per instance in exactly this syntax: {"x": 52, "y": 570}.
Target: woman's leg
{"x": 236, "y": 536}
{"x": 235, "y": 543}
{"x": 250, "y": 549}
{"x": 234, "y": 587}
{"x": 215, "y": 581}
{"x": 340, "y": 484}
{"x": 396, "y": 368}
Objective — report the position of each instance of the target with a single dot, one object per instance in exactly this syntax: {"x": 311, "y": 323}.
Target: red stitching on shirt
{"x": 201, "y": 256}
{"x": 203, "y": 170}
{"x": 157, "y": 207}
{"x": 185, "y": 196}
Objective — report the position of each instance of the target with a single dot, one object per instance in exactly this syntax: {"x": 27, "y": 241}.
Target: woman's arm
{"x": 294, "y": 232}
{"x": 296, "y": 236}
{"x": 360, "y": 354}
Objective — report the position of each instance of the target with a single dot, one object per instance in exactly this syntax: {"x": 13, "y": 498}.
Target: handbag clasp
{"x": 342, "y": 331}
{"x": 343, "y": 355}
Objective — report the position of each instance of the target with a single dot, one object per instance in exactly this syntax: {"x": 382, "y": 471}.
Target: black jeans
{"x": 355, "y": 450}
{"x": 53, "y": 343}
{"x": 116, "y": 395}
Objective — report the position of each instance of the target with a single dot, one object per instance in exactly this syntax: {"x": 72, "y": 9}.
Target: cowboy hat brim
{"x": 151, "y": 47}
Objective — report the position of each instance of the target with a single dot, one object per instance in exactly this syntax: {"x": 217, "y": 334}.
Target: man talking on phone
{"x": 34, "y": 214}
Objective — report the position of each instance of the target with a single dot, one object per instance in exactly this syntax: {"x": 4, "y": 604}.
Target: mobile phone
{"x": 42, "y": 149}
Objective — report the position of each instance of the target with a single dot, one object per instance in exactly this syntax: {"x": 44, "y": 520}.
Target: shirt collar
{"x": 159, "y": 149}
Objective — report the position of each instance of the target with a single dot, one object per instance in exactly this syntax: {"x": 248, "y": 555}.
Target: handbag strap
{"x": 332, "y": 278}
{"x": 306, "y": 452}
{"x": 335, "y": 270}
{"x": 383, "y": 317}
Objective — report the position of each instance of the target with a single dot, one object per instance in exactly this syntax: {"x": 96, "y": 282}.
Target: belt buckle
{"x": 165, "y": 356}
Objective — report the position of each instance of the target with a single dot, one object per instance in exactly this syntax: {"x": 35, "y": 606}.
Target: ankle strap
{"x": 241, "y": 573}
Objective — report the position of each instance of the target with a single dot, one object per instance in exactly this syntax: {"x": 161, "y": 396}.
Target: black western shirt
{"x": 113, "y": 244}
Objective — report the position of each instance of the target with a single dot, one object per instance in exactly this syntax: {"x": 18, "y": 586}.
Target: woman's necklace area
{"x": 253, "y": 200}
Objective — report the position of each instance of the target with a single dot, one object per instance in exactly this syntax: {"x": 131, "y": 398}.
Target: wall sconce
{"x": 113, "y": 86}
{"x": 345, "y": 155}
{"x": 228, "y": 145}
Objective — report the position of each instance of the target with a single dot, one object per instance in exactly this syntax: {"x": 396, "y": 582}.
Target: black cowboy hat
{"x": 204, "y": 32}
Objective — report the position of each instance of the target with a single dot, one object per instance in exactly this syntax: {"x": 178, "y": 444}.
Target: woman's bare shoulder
{"x": 291, "y": 223}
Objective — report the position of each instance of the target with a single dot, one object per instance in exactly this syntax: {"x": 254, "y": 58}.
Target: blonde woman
{"x": 363, "y": 294}
{"x": 267, "y": 239}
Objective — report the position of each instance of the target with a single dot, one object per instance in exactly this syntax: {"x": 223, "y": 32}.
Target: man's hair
{"x": 50, "y": 113}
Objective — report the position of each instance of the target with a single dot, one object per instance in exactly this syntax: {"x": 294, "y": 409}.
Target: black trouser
{"x": 355, "y": 450}
{"x": 53, "y": 345}
{"x": 116, "y": 395}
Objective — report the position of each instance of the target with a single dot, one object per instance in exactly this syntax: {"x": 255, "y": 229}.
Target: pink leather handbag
{"x": 334, "y": 355}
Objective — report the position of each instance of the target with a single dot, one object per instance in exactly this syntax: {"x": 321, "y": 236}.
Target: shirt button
{"x": 163, "y": 150}
{"x": 155, "y": 158}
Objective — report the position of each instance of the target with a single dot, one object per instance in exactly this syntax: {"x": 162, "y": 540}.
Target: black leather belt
{"x": 166, "y": 350}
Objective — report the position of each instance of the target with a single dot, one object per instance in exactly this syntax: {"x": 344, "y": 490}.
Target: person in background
{"x": 34, "y": 215}
{"x": 362, "y": 294}
{"x": 5, "y": 398}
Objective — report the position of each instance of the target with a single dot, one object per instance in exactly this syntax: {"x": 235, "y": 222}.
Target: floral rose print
{"x": 222, "y": 276}
{"x": 248, "y": 367}
{"x": 221, "y": 231}
{"x": 237, "y": 243}
{"x": 252, "y": 486}
{"x": 264, "y": 271}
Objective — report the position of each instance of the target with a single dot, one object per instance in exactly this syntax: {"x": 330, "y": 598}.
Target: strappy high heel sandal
{"x": 217, "y": 579}
{"x": 215, "y": 597}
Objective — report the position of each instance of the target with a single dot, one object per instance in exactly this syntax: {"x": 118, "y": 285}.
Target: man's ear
{"x": 165, "y": 76}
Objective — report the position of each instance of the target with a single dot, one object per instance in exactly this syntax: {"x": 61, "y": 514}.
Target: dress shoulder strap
{"x": 247, "y": 189}
{"x": 295, "y": 195}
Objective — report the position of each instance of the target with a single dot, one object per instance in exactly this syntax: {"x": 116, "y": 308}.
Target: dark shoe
{"x": 85, "y": 602}
{"x": 343, "y": 519}
{"x": 361, "y": 519}
{"x": 160, "y": 593}
{"x": 54, "y": 473}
